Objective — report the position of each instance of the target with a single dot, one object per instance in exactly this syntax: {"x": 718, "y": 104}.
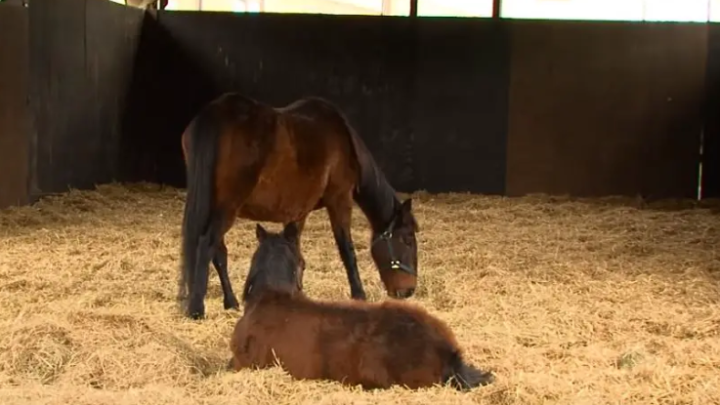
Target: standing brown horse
{"x": 375, "y": 345}
{"x": 247, "y": 159}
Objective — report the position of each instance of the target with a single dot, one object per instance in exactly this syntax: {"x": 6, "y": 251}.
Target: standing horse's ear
{"x": 406, "y": 216}
{"x": 260, "y": 232}
{"x": 290, "y": 232}
{"x": 406, "y": 206}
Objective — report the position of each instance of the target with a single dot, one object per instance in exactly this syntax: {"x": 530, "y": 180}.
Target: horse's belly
{"x": 283, "y": 198}
{"x": 260, "y": 212}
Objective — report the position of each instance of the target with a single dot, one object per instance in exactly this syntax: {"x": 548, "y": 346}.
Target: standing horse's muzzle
{"x": 404, "y": 293}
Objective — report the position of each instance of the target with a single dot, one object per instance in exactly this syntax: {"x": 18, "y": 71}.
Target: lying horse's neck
{"x": 376, "y": 198}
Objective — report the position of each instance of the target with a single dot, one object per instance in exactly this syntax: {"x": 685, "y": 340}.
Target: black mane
{"x": 376, "y": 197}
{"x": 373, "y": 194}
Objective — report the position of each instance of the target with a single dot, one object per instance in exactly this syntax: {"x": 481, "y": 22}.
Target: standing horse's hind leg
{"x": 340, "y": 213}
{"x": 220, "y": 262}
{"x": 210, "y": 246}
{"x": 196, "y": 306}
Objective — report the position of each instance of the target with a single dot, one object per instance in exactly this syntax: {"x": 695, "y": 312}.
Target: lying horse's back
{"x": 375, "y": 345}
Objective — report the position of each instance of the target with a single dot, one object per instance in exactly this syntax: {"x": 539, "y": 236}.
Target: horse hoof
{"x": 487, "y": 378}
{"x": 196, "y": 316}
{"x": 195, "y": 308}
{"x": 359, "y": 296}
{"x": 232, "y": 304}
{"x": 195, "y": 313}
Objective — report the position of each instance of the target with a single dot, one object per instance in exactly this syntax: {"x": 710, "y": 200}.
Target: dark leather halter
{"x": 395, "y": 264}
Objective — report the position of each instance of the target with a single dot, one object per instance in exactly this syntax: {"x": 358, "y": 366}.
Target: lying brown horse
{"x": 375, "y": 345}
{"x": 249, "y": 160}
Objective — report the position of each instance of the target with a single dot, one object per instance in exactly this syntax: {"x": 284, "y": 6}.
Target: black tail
{"x": 200, "y": 171}
{"x": 463, "y": 376}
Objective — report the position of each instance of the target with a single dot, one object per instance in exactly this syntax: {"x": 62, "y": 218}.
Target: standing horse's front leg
{"x": 340, "y": 213}
{"x": 300, "y": 225}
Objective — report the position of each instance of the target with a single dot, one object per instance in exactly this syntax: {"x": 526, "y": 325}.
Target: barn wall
{"x": 711, "y": 145}
{"x": 461, "y": 105}
{"x": 430, "y": 107}
{"x": 81, "y": 54}
{"x": 444, "y": 104}
{"x": 605, "y": 108}
{"x": 14, "y": 118}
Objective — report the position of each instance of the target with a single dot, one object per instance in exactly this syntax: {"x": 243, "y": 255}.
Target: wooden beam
{"x": 497, "y": 7}
{"x": 386, "y": 7}
{"x": 413, "y": 8}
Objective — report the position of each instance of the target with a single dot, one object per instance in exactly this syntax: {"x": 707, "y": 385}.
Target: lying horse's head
{"x": 277, "y": 263}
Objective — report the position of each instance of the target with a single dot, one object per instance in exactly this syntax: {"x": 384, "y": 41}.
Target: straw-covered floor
{"x": 570, "y": 302}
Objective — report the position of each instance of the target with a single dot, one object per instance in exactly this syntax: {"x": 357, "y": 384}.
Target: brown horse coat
{"x": 249, "y": 160}
{"x": 375, "y": 345}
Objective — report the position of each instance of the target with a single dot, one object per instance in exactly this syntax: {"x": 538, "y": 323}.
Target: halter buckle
{"x": 394, "y": 263}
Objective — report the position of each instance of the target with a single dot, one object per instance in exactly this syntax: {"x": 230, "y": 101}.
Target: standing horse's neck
{"x": 377, "y": 200}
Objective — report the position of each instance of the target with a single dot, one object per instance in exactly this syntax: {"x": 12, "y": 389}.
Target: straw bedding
{"x": 568, "y": 301}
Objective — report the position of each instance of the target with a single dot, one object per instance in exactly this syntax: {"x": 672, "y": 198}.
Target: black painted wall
{"x": 461, "y": 105}
{"x": 112, "y": 88}
{"x": 14, "y": 111}
{"x": 81, "y": 54}
{"x": 606, "y": 108}
{"x": 711, "y": 135}
{"x": 431, "y": 109}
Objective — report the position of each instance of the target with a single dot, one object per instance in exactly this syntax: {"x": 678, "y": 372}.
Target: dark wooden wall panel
{"x": 415, "y": 91}
{"x": 14, "y": 113}
{"x": 58, "y": 94}
{"x": 460, "y": 105}
{"x": 711, "y": 145}
{"x": 112, "y": 35}
{"x": 590, "y": 108}
{"x": 605, "y": 108}
{"x": 80, "y": 56}
{"x": 166, "y": 88}
{"x": 357, "y": 63}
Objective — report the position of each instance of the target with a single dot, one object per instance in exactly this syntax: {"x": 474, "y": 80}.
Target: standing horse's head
{"x": 277, "y": 263}
{"x": 394, "y": 251}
